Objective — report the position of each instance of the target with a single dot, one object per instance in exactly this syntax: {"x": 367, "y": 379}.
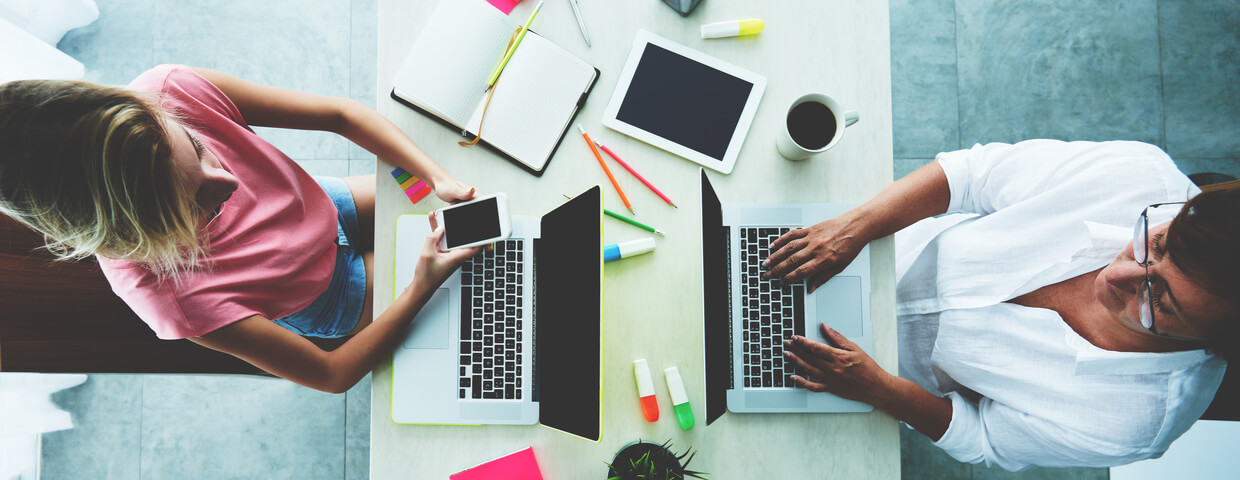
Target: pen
{"x": 630, "y": 221}
{"x": 507, "y": 55}
{"x": 580, "y": 23}
{"x": 635, "y": 174}
{"x": 605, "y": 169}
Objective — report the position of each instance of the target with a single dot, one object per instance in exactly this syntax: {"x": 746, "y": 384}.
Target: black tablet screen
{"x": 684, "y": 101}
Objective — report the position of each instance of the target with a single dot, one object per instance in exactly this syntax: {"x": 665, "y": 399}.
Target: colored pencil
{"x": 635, "y": 174}
{"x": 605, "y": 169}
{"x": 630, "y": 221}
{"x": 508, "y": 54}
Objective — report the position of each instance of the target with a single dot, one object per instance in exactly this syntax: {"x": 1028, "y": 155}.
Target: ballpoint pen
{"x": 580, "y": 23}
{"x": 605, "y": 169}
{"x": 630, "y": 221}
{"x": 635, "y": 174}
{"x": 515, "y": 43}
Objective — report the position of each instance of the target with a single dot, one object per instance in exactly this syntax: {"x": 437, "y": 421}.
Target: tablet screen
{"x": 684, "y": 101}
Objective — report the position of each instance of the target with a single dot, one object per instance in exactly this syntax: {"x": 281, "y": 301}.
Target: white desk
{"x": 652, "y": 304}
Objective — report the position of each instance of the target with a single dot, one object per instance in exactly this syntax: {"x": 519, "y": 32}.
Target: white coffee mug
{"x": 792, "y": 150}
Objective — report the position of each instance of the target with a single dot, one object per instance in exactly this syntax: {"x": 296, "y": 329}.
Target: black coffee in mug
{"x": 811, "y": 124}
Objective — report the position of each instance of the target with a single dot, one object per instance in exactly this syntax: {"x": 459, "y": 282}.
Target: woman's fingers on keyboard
{"x": 785, "y": 259}
{"x": 787, "y": 237}
{"x": 801, "y": 266}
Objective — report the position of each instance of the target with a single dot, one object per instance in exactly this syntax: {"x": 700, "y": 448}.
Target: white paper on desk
{"x": 447, "y": 68}
{"x": 535, "y": 97}
{"x": 534, "y": 100}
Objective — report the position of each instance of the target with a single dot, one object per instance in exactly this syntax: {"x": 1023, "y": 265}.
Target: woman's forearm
{"x": 378, "y": 135}
{"x": 922, "y": 194}
{"x": 911, "y": 404}
{"x": 360, "y": 354}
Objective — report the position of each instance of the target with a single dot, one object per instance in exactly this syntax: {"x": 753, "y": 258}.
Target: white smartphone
{"x": 477, "y": 222}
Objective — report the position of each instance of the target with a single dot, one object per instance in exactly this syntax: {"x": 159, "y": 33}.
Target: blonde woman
{"x": 205, "y": 230}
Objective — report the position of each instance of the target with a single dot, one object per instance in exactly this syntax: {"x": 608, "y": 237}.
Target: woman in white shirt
{"x": 1037, "y": 325}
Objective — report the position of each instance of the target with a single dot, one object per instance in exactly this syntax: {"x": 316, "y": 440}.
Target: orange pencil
{"x": 635, "y": 174}
{"x": 605, "y": 169}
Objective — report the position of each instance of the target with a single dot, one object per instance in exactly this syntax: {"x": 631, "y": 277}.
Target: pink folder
{"x": 516, "y": 466}
{"x": 505, "y": 6}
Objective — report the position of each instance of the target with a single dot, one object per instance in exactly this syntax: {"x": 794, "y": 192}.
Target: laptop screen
{"x": 570, "y": 316}
{"x": 715, "y": 302}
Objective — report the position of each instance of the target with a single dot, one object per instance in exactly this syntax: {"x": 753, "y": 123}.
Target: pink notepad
{"x": 517, "y": 466}
{"x": 505, "y": 6}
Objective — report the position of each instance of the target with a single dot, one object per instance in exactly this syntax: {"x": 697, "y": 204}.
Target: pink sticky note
{"x": 505, "y": 6}
{"x": 517, "y": 466}
{"x": 414, "y": 197}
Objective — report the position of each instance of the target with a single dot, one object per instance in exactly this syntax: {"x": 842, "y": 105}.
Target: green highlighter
{"x": 680, "y": 399}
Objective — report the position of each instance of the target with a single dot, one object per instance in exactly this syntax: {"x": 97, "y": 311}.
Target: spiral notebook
{"x": 536, "y": 98}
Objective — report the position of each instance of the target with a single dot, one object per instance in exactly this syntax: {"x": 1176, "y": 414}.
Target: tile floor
{"x": 963, "y": 72}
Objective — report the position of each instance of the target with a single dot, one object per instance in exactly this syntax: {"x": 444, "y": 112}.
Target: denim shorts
{"x": 334, "y": 313}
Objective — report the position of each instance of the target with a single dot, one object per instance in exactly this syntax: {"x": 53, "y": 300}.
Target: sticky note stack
{"x": 516, "y": 466}
{"x": 413, "y": 187}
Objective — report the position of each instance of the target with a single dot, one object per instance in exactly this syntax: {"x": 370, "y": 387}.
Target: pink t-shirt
{"x": 273, "y": 245}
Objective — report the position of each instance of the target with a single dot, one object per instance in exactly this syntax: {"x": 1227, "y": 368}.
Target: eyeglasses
{"x": 1141, "y": 252}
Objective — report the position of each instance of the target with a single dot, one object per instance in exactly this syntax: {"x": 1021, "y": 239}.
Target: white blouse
{"x": 1027, "y": 390}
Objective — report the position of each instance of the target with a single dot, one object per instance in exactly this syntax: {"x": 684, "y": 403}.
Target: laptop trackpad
{"x": 490, "y": 411}
{"x": 430, "y": 327}
{"x": 767, "y": 400}
{"x": 839, "y": 306}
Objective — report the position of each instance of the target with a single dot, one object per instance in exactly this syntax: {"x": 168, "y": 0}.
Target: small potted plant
{"x": 650, "y": 461}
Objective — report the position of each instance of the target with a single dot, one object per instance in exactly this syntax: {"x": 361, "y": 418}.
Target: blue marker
{"x": 628, "y": 249}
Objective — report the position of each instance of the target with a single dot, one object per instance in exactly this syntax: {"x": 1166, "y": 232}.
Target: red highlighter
{"x": 645, "y": 390}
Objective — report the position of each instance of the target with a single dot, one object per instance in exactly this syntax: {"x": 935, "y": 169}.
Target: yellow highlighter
{"x": 732, "y": 28}
{"x": 517, "y": 42}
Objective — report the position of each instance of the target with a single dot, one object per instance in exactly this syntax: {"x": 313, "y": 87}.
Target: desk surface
{"x": 836, "y": 47}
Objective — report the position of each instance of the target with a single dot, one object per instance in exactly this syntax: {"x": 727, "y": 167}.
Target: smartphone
{"x": 477, "y": 222}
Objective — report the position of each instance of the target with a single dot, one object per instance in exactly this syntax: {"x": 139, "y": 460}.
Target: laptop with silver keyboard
{"x": 746, "y": 317}
{"x": 507, "y": 338}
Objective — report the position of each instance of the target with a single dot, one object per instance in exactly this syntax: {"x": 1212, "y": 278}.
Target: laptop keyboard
{"x": 492, "y": 315}
{"x": 770, "y": 311}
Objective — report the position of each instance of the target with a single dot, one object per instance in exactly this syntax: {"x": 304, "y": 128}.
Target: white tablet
{"x": 684, "y": 101}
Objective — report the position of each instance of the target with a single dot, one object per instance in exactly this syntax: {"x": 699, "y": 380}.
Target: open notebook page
{"x": 534, "y": 99}
{"x": 447, "y": 69}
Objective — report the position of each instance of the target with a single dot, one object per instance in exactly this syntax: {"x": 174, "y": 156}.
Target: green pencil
{"x": 630, "y": 221}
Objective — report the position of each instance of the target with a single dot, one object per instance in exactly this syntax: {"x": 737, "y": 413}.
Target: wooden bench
{"x": 63, "y": 317}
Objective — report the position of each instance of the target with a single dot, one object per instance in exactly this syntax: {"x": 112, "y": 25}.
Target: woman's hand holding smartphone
{"x": 435, "y": 263}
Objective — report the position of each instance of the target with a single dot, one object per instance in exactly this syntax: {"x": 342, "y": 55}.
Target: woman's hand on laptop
{"x": 817, "y": 253}
{"x": 843, "y": 369}
{"x": 435, "y": 264}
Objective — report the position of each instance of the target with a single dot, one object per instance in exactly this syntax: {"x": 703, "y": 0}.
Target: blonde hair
{"x": 90, "y": 167}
